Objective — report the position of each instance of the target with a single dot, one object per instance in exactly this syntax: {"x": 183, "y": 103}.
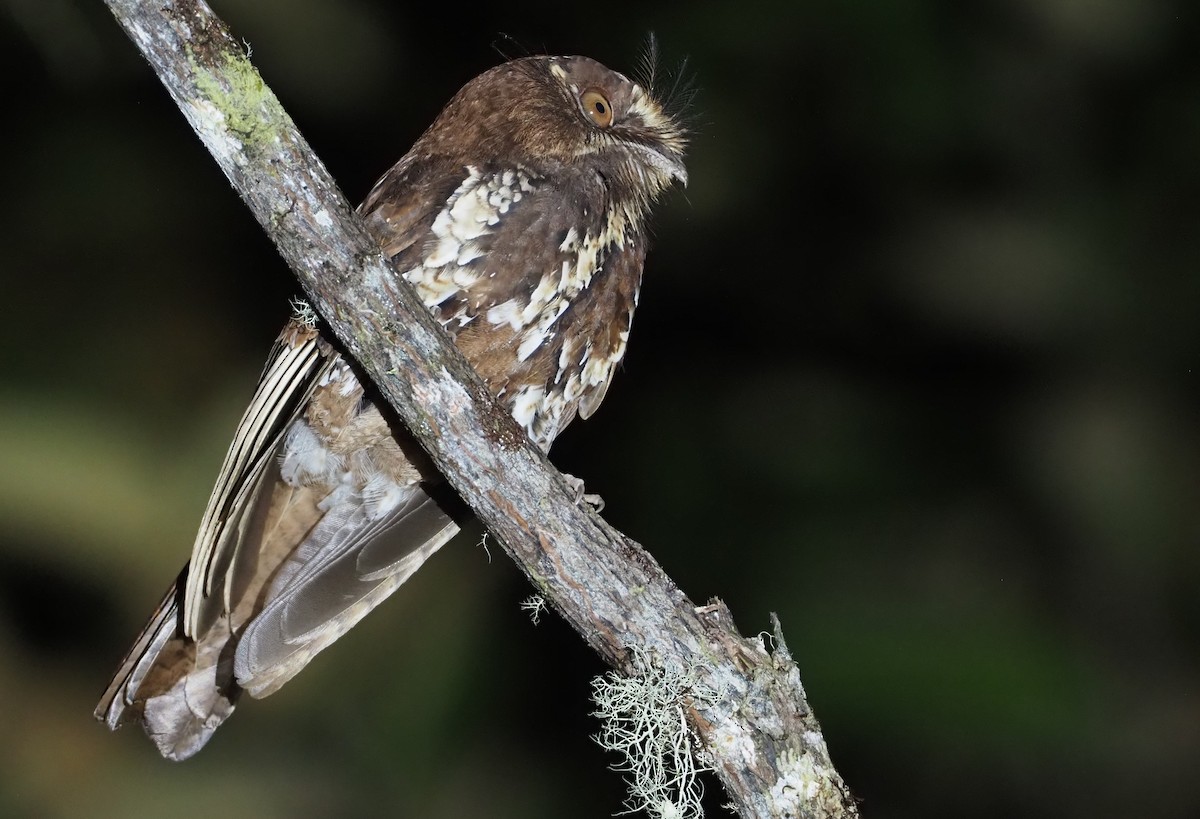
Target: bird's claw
{"x": 592, "y": 500}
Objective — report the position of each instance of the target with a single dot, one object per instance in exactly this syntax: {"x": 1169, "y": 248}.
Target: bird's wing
{"x": 179, "y": 711}
{"x": 296, "y": 366}
{"x": 353, "y": 560}
{"x": 167, "y": 680}
{"x": 141, "y": 655}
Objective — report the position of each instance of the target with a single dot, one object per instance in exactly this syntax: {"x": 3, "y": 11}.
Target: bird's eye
{"x": 596, "y": 106}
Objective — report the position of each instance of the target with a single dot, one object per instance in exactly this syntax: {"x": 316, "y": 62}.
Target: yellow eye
{"x": 596, "y": 106}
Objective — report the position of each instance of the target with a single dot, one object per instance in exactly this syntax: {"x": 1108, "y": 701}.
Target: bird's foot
{"x": 576, "y": 484}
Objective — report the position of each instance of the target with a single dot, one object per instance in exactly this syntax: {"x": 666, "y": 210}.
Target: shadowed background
{"x": 915, "y": 367}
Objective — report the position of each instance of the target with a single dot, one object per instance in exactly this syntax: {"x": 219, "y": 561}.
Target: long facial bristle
{"x": 673, "y": 89}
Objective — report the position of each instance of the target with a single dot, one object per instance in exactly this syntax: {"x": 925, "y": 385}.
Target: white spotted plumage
{"x": 471, "y": 213}
{"x": 449, "y": 268}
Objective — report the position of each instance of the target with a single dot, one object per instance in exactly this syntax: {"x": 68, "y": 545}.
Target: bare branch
{"x": 754, "y": 724}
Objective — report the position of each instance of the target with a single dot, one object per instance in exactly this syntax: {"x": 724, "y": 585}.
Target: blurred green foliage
{"x": 915, "y": 368}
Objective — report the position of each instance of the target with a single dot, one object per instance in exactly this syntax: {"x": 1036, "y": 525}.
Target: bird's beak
{"x": 667, "y": 163}
{"x": 678, "y": 172}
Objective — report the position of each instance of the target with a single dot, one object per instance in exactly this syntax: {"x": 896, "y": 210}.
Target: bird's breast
{"x": 537, "y": 281}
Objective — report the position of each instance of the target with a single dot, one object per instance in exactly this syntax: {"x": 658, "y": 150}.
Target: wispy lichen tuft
{"x": 534, "y": 604}
{"x": 303, "y": 313}
{"x": 645, "y": 720}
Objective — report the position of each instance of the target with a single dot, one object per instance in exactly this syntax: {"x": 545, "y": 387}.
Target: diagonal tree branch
{"x": 745, "y": 705}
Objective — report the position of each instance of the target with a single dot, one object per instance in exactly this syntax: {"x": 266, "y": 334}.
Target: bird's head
{"x": 566, "y": 111}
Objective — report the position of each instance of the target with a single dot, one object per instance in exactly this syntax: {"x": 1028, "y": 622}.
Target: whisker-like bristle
{"x": 674, "y": 89}
{"x": 510, "y": 48}
{"x": 646, "y": 74}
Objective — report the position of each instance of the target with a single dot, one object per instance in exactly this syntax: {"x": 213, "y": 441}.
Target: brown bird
{"x": 519, "y": 216}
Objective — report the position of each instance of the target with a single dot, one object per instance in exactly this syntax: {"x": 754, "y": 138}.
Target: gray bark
{"x": 754, "y": 726}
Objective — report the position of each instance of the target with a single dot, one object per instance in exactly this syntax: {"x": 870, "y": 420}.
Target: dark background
{"x": 915, "y": 368}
